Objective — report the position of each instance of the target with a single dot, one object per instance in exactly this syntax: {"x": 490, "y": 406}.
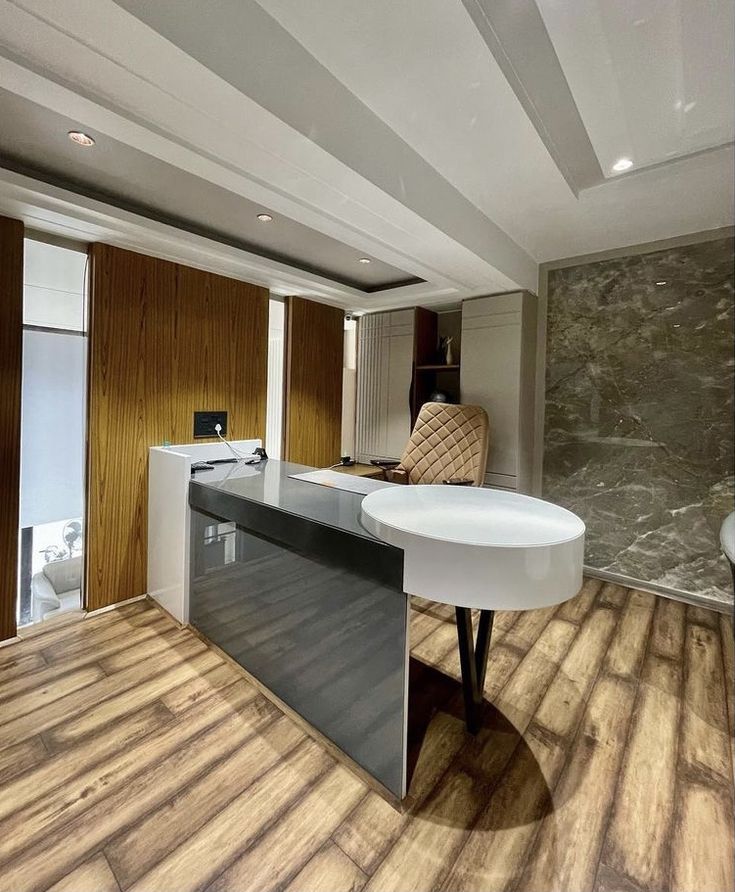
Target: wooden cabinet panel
{"x": 11, "y": 341}
{"x": 314, "y": 383}
{"x": 165, "y": 340}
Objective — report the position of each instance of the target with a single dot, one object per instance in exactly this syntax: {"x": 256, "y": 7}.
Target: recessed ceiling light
{"x": 662, "y": 282}
{"x": 364, "y": 260}
{"x": 622, "y": 164}
{"x": 265, "y": 218}
{"x": 81, "y": 139}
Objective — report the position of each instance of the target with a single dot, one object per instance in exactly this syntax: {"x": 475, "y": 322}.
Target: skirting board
{"x": 116, "y": 605}
{"x": 73, "y": 615}
{"x": 165, "y": 612}
{"x": 65, "y": 618}
{"x": 674, "y": 594}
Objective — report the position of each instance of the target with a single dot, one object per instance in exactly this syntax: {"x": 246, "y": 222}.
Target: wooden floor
{"x": 133, "y": 758}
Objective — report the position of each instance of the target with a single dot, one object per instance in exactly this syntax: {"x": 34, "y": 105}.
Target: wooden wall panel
{"x": 11, "y": 346}
{"x": 165, "y": 340}
{"x": 314, "y": 383}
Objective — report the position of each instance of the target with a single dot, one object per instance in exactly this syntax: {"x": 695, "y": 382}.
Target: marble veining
{"x": 639, "y": 412}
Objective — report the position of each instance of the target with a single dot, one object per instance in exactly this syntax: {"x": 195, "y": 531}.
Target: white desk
{"x": 479, "y": 548}
{"x": 169, "y": 473}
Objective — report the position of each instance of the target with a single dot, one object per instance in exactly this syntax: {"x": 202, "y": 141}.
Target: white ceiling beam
{"x": 219, "y": 134}
{"x": 50, "y": 209}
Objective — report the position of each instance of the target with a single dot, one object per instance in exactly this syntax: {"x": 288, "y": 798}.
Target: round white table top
{"x": 470, "y": 516}
{"x": 476, "y": 547}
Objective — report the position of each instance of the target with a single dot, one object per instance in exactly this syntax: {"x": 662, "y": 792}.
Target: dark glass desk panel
{"x": 329, "y": 641}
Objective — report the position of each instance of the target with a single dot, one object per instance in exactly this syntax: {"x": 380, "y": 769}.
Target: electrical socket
{"x": 204, "y": 424}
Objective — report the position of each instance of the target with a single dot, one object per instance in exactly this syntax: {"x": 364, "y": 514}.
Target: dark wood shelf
{"x": 439, "y": 367}
{"x": 428, "y": 374}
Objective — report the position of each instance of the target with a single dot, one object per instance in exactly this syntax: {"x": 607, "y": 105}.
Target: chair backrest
{"x": 64, "y": 575}
{"x": 448, "y": 441}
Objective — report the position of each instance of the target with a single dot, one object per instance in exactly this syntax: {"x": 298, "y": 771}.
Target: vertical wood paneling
{"x": 165, "y": 340}
{"x": 314, "y": 383}
{"x": 11, "y": 341}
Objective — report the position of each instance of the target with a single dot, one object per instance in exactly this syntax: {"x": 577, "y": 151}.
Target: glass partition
{"x": 52, "y": 431}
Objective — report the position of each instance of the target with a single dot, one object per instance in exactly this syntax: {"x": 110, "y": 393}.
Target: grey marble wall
{"x": 639, "y": 411}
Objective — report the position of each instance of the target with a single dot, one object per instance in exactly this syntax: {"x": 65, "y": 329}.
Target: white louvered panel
{"x": 384, "y": 369}
{"x": 368, "y": 366}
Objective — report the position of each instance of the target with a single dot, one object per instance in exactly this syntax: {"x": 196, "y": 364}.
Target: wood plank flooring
{"x": 132, "y": 757}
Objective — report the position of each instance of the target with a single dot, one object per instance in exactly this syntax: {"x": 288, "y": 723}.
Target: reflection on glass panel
{"x": 56, "y": 569}
{"x": 328, "y": 641}
{"x": 52, "y": 433}
{"x": 218, "y": 545}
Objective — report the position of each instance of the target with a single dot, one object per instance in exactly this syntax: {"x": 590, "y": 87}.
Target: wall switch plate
{"x": 204, "y": 424}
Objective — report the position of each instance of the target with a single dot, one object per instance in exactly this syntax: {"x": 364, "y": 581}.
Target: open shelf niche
{"x": 429, "y": 371}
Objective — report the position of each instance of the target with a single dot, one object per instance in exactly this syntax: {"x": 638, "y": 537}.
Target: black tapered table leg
{"x": 473, "y": 661}
{"x": 482, "y": 646}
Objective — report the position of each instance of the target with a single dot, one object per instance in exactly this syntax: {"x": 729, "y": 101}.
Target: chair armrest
{"x": 397, "y": 475}
{"x": 42, "y": 589}
{"x": 43, "y": 596}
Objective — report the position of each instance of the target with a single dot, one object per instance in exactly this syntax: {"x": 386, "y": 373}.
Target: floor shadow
{"x": 493, "y": 777}
{"x": 429, "y": 691}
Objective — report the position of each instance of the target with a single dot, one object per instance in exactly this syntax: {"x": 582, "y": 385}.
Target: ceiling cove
{"x": 456, "y": 150}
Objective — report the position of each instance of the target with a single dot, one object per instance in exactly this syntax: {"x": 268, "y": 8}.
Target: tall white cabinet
{"x": 497, "y": 359}
{"x": 384, "y": 373}
{"x": 498, "y": 372}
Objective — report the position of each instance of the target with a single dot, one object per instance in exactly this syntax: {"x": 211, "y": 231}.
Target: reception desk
{"x": 306, "y": 587}
{"x": 284, "y": 579}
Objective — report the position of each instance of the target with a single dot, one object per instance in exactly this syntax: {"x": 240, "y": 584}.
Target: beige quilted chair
{"x": 448, "y": 445}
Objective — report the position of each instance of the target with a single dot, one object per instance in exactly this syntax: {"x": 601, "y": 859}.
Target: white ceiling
{"x": 653, "y": 80}
{"x": 388, "y": 128}
{"x": 130, "y": 178}
{"x": 445, "y": 94}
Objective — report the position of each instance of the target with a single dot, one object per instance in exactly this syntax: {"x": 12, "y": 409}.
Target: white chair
{"x": 56, "y": 588}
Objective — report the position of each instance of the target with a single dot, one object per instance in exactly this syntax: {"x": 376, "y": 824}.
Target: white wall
{"x": 275, "y": 381}
{"x": 349, "y": 388}
{"x": 53, "y": 286}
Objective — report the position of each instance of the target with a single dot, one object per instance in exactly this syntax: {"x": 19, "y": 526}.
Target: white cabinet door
{"x": 384, "y": 370}
{"x": 498, "y": 361}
